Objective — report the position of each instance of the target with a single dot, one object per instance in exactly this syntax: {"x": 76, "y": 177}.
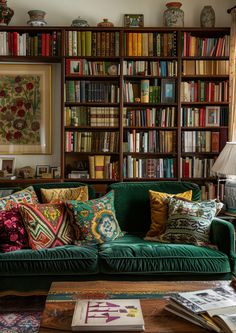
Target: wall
{"x": 62, "y": 12}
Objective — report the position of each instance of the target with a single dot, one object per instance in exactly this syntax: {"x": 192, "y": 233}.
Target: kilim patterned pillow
{"x": 27, "y": 195}
{"x": 13, "y": 235}
{"x": 47, "y": 225}
{"x": 189, "y": 222}
{"x": 62, "y": 194}
{"x": 96, "y": 219}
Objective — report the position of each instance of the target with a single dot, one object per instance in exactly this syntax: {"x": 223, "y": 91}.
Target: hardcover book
{"x": 108, "y": 315}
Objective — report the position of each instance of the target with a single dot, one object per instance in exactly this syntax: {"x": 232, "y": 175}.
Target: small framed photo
{"x": 74, "y": 66}
{"x": 56, "y": 172}
{"x": 42, "y": 169}
{"x": 212, "y": 116}
{"x": 133, "y": 20}
{"x": 7, "y": 165}
{"x": 167, "y": 91}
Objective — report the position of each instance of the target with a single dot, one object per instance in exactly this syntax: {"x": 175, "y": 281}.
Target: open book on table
{"x": 108, "y": 315}
{"x": 208, "y": 308}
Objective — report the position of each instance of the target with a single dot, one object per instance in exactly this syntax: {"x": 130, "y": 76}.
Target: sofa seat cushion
{"x": 133, "y": 255}
{"x": 63, "y": 260}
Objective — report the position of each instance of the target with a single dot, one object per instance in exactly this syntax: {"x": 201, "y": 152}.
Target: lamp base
{"x": 230, "y": 196}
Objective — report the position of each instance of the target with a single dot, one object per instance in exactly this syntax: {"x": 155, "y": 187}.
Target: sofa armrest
{"x": 222, "y": 234}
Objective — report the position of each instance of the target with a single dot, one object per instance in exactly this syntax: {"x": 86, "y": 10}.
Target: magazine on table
{"x": 108, "y": 315}
{"x": 207, "y": 308}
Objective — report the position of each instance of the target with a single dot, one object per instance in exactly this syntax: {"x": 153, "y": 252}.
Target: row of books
{"x": 150, "y": 44}
{"x": 209, "y": 191}
{"x": 27, "y": 44}
{"x": 195, "y": 167}
{"x": 204, "y": 91}
{"x": 205, "y": 67}
{"x": 91, "y": 91}
{"x": 150, "y": 117}
{"x": 201, "y": 141}
{"x": 148, "y": 167}
{"x": 143, "y": 92}
{"x": 149, "y": 141}
{"x": 91, "y": 116}
{"x": 204, "y": 116}
{"x": 101, "y": 167}
{"x": 205, "y": 46}
{"x": 91, "y": 141}
{"x": 161, "y": 68}
{"x": 84, "y": 67}
{"x": 92, "y": 43}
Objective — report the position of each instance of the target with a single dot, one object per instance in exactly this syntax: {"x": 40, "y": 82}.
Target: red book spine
{"x": 15, "y": 43}
{"x": 43, "y": 45}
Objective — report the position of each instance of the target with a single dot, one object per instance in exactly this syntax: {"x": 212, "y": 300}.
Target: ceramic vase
{"x": 173, "y": 15}
{"x": 36, "y": 17}
{"x": 105, "y": 23}
{"x": 6, "y": 13}
{"x": 79, "y": 22}
{"x": 207, "y": 17}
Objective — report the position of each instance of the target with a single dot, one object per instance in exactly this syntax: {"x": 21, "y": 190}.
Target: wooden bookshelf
{"x": 151, "y": 102}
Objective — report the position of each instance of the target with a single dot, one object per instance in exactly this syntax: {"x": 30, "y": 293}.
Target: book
{"x": 206, "y": 308}
{"x": 108, "y": 315}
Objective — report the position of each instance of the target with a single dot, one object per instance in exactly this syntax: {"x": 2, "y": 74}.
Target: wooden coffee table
{"x": 59, "y": 307}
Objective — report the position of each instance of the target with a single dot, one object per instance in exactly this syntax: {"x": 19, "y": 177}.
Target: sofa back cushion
{"x": 38, "y": 187}
{"x": 132, "y": 203}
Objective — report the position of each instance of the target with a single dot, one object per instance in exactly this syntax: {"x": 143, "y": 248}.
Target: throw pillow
{"x": 13, "y": 235}
{"x": 27, "y": 195}
{"x": 62, "y": 194}
{"x": 159, "y": 210}
{"x": 189, "y": 222}
{"x": 96, "y": 219}
{"x": 47, "y": 225}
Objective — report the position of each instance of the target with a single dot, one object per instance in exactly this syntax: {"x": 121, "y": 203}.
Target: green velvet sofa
{"x": 127, "y": 258}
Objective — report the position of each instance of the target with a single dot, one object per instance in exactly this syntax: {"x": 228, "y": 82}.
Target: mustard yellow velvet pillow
{"x": 159, "y": 210}
{"x": 63, "y": 194}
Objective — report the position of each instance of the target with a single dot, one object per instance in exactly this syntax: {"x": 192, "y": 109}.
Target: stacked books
{"x": 108, "y": 315}
{"x": 214, "y": 309}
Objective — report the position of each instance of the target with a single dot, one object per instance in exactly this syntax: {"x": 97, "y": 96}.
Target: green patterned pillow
{"x": 47, "y": 225}
{"x": 189, "y": 222}
{"x": 95, "y": 219}
{"x": 27, "y": 195}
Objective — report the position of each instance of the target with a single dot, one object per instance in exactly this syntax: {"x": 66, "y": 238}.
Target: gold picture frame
{"x": 25, "y": 109}
{"x": 133, "y": 20}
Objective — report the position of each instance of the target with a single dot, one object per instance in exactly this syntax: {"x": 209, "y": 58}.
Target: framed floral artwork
{"x": 25, "y": 109}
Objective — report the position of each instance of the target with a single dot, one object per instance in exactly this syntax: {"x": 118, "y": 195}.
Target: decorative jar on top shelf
{"x": 207, "y": 18}
{"x": 173, "y": 15}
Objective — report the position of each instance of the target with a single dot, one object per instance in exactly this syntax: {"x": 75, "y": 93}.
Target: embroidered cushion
{"x": 96, "y": 219}
{"x": 13, "y": 235}
{"x": 27, "y": 195}
{"x": 62, "y": 194}
{"x": 47, "y": 225}
{"x": 189, "y": 222}
{"x": 159, "y": 210}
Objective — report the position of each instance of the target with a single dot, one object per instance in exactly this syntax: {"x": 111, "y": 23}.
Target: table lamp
{"x": 225, "y": 165}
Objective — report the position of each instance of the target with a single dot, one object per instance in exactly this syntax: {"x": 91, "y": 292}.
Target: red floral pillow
{"x": 13, "y": 235}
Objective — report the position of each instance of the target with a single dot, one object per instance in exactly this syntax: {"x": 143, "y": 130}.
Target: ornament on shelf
{"x": 6, "y": 13}
{"x": 36, "y": 17}
{"x": 105, "y": 23}
{"x": 207, "y": 17}
{"x": 79, "y": 22}
{"x": 173, "y": 16}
